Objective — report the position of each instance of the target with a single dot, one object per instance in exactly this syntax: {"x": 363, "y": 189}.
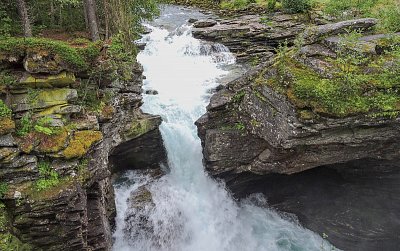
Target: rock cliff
{"x": 330, "y": 99}
{"x": 66, "y": 112}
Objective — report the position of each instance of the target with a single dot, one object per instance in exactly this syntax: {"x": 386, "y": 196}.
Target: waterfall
{"x": 189, "y": 210}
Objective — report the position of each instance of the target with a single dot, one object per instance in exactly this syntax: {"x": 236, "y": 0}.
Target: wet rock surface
{"x": 354, "y": 204}
{"x": 336, "y": 173}
{"x": 284, "y": 138}
{"x": 252, "y": 37}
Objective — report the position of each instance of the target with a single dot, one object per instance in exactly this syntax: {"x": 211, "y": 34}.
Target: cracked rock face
{"x": 248, "y": 37}
{"x": 76, "y": 213}
{"x": 253, "y": 128}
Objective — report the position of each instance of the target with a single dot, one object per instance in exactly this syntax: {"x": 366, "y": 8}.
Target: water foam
{"x": 191, "y": 211}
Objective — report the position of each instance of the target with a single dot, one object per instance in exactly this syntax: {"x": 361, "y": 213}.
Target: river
{"x": 190, "y": 211}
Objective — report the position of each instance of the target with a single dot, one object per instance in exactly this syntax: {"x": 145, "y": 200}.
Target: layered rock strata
{"x": 55, "y": 172}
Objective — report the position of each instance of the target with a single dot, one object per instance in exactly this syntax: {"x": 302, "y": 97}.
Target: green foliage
{"x": 296, "y": 6}
{"x": 4, "y": 110}
{"x": 6, "y": 79}
{"x": 19, "y": 46}
{"x": 43, "y": 126}
{"x": 338, "y": 7}
{"x": 25, "y": 125}
{"x": 235, "y": 4}
{"x": 237, "y": 126}
{"x": 360, "y": 84}
{"x": 5, "y": 23}
{"x": 388, "y": 15}
{"x": 271, "y": 4}
{"x": 48, "y": 177}
{"x": 126, "y": 17}
{"x": 3, "y": 189}
{"x": 238, "y": 97}
{"x": 67, "y": 15}
{"x": 240, "y": 126}
{"x": 388, "y": 11}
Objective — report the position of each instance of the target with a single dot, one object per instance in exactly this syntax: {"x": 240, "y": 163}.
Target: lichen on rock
{"x": 80, "y": 143}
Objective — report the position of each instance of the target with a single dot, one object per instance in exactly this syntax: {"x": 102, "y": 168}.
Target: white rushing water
{"x": 191, "y": 211}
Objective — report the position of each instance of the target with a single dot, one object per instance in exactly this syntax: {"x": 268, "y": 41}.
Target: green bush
{"x": 3, "y": 189}
{"x": 296, "y": 6}
{"x": 48, "y": 177}
{"x": 271, "y": 4}
{"x": 235, "y": 4}
{"x": 25, "y": 125}
{"x": 4, "y": 110}
{"x": 389, "y": 17}
{"x": 387, "y": 11}
{"x": 5, "y": 23}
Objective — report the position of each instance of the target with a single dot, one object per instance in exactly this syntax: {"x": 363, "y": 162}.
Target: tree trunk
{"x": 23, "y": 13}
{"x": 106, "y": 18}
{"x": 91, "y": 15}
{"x": 85, "y": 12}
{"x": 52, "y": 14}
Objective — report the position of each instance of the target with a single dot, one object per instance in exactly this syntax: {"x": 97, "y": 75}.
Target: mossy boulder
{"x": 43, "y": 98}
{"x": 81, "y": 143}
{"x": 7, "y": 125}
{"x": 7, "y": 154}
{"x": 40, "y": 55}
{"x": 59, "y": 110}
{"x": 52, "y": 143}
{"x": 63, "y": 79}
{"x": 141, "y": 126}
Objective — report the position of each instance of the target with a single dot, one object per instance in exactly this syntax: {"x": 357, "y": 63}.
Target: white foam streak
{"x": 192, "y": 211}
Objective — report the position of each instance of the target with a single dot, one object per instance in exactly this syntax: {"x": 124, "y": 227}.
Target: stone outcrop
{"x": 260, "y": 124}
{"x": 55, "y": 148}
{"x": 251, "y": 37}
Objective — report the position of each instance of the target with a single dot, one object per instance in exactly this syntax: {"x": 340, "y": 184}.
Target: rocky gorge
{"x": 264, "y": 130}
{"x": 295, "y": 127}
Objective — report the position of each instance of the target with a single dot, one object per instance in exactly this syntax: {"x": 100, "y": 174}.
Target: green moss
{"x": 76, "y": 59}
{"x": 7, "y": 125}
{"x": 81, "y": 143}
{"x": 238, "y": 97}
{"x": 139, "y": 127}
{"x": 5, "y": 112}
{"x": 260, "y": 96}
{"x": 63, "y": 79}
{"x": 306, "y": 115}
{"x": 360, "y": 85}
{"x": 3, "y": 189}
{"x": 205, "y": 4}
{"x": 52, "y": 143}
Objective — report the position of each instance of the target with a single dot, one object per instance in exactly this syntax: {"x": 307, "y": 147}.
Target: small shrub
{"x": 3, "y": 189}
{"x": 235, "y": 4}
{"x": 6, "y": 79}
{"x": 240, "y": 126}
{"x": 42, "y": 126}
{"x": 25, "y": 125}
{"x": 5, "y": 112}
{"x": 271, "y": 4}
{"x": 5, "y": 23}
{"x": 296, "y": 6}
{"x": 48, "y": 177}
{"x": 389, "y": 17}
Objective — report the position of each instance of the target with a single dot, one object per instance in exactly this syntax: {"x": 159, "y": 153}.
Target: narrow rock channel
{"x": 185, "y": 209}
